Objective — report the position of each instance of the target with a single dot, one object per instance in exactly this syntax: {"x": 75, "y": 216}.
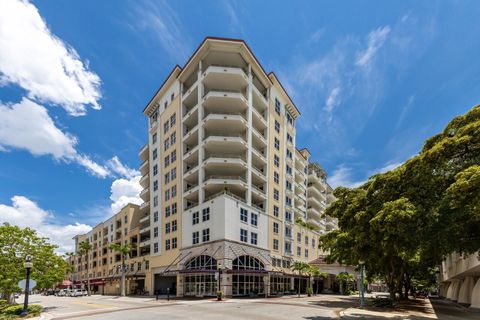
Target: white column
{"x": 249, "y": 136}
{"x": 475, "y": 301}
{"x": 465, "y": 292}
{"x": 201, "y": 133}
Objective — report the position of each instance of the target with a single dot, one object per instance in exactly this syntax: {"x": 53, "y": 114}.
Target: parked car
{"x": 79, "y": 293}
{"x": 63, "y": 292}
{"x": 16, "y": 295}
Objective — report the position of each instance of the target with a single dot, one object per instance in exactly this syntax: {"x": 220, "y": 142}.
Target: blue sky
{"x": 372, "y": 79}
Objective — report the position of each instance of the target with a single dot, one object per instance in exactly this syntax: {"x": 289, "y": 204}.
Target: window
{"x": 253, "y": 238}
{"x": 173, "y": 119}
{"x": 125, "y": 219}
{"x": 174, "y": 208}
{"x": 276, "y": 160}
{"x": 243, "y": 215}
{"x": 275, "y": 210}
{"x": 275, "y": 244}
{"x": 155, "y": 232}
{"x": 147, "y": 264}
{"x": 155, "y": 201}
{"x": 206, "y": 214}
{"x": 155, "y": 185}
{"x": 154, "y": 138}
{"x": 306, "y": 253}
{"x": 167, "y": 244}
{"x": 174, "y": 191}
{"x": 205, "y": 235}
{"x": 155, "y": 247}
{"x": 288, "y": 201}
{"x": 289, "y": 138}
{"x": 174, "y": 243}
{"x": 173, "y": 156}
{"x": 155, "y": 170}
{"x": 254, "y": 219}
{"x": 167, "y": 227}
{"x": 299, "y": 237}
{"x": 277, "y": 106}
{"x": 275, "y": 194}
{"x": 288, "y": 184}
{"x": 167, "y": 161}
{"x": 125, "y": 231}
{"x": 276, "y": 177}
{"x": 288, "y": 232}
{"x": 289, "y": 118}
{"x": 299, "y": 251}
{"x": 277, "y": 126}
{"x": 243, "y": 235}
{"x": 167, "y": 195}
{"x": 171, "y": 97}
{"x": 167, "y": 211}
{"x": 288, "y": 216}
{"x": 288, "y": 247}
{"x": 173, "y": 138}
{"x": 289, "y": 154}
{"x": 275, "y": 227}
{"x": 155, "y": 216}
{"x": 306, "y": 240}
{"x": 174, "y": 225}
{"x": 166, "y": 144}
{"x": 313, "y": 242}
{"x": 277, "y": 144}
{"x": 154, "y": 154}
{"x": 195, "y": 218}
{"x": 165, "y": 105}
{"x": 289, "y": 169}
{"x": 165, "y": 127}
{"x": 173, "y": 173}
{"x": 195, "y": 237}
{"x": 167, "y": 177}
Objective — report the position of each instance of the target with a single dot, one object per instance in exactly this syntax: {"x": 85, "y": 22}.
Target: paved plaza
{"x": 289, "y": 308}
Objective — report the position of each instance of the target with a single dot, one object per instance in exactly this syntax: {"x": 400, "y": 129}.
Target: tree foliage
{"x": 403, "y": 222}
{"x": 15, "y": 245}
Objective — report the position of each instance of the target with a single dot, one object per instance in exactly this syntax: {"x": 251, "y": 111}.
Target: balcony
{"x": 144, "y": 167}
{"x": 145, "y": 205}
{"x": 224, "y": 77}
{"x": 191, "y": 117}
{"x": 144, "y": 219}
{"x": 217, "y": 122}
{"x": 216, "y": 100}
{"x": 259, "y": 98}
{"x": 258, "y": 119}
{"x": 145, "y": 194}
{"x": 143, "y": 154}
{"x": 224, "y": 142}
{"x": 145, "y": 180}
{"x": 145, "y": 243}
{"x": 145, "y": 230}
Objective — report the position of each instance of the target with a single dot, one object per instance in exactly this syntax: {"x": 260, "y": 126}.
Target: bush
{"x": 383, "y": 303}
{"x": 309, "y": 291}
{"x": 33, "y": 309}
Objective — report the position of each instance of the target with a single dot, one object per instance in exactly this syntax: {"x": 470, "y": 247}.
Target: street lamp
{"x": 362, "y": 288}
{"x": 28, "y": 266}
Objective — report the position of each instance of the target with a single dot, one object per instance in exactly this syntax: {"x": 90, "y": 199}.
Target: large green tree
{"x": 403, "y": 222}
{"x": 15, "y": 245}
{"x": 124, "y": 251}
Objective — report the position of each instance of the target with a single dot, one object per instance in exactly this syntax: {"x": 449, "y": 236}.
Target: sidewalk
{"x": 418, "y": 309}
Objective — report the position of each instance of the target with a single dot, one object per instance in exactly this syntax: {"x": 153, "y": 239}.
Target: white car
{"x": 78, "y": 293}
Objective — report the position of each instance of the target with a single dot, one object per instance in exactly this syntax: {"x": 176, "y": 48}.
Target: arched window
{"x": 247, "y": 263}
{"x": 202, "y": 262}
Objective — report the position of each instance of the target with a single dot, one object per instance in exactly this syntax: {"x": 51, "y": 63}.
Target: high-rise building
{"x": 230, "y": 202}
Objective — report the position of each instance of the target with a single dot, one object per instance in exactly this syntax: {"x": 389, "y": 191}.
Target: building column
{"x": 465, "y": 292}
{"x": 249, "y": 136}
{"x": 201, "y": 134}
{"x": 475, "y": 300}
{"x": 179, "y": 285}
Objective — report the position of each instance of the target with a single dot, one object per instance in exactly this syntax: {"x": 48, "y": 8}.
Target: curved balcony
{"x": 143, "y": 154}
{"x": 191, "y": 117}
{"x": 217, "y": 143}
{"x": 145, "y": 194}
{"x": 224, "y": 77}
{"x": 144, "y": 167}
{"x": 313, "y": 213}
{"x": 218, "y": 100}
{"x": 218, "y": 122}
{"x": 145, "y": 180}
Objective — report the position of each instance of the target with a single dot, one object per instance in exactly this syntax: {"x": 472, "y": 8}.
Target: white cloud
{"x": 119, "y": 168}
{"x": 35, "y": 59}
{"x": 26, "y": 125}
{"x": 332, "y": 99}
{"x": 162, "y": 22}
{"x": 343, "y": 176}
{"x": 376, "y": 39}
{"x": 124, "y": 191}
{"x": 25, "y": 213}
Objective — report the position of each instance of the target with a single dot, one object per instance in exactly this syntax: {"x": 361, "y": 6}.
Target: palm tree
{"x": 300, "y": 267}
{"x": 124, "y": 251}
{"x": 70, "y": 256}
{"x": 317, "y": 273}
{"x": 345, "y": 280}
{"x": 85, "y": 248}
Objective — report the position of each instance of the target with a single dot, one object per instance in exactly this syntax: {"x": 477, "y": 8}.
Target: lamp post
{"x": 219, "y": 291}
{"x": 362, "y": 289}
{"x": 28, "y": 266}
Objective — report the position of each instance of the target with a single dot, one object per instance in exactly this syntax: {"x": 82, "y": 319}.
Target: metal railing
{"x": 219, "y": 177}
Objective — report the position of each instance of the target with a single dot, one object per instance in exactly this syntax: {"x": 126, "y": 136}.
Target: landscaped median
{"x": 13, "y": 311}
{"x": 410, "y": 309}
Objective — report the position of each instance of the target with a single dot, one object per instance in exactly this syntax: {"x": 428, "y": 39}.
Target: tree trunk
{"x": 123, "y": 277}
{"x": 88, "y": 277}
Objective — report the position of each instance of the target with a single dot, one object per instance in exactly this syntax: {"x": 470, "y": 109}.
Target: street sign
{"x": 23, "y": 282}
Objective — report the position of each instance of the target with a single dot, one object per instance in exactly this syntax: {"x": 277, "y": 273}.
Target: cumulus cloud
{"x": 343, "y": 176}
{"x": 119, "y": 168}
{"x": 124, "y": 191}
{"x": 27, "y": 125}
{"x": 24, "y": 212}
{"x": 42, "y": 64}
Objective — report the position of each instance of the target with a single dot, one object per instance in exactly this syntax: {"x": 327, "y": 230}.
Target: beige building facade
{"x": 230, "y": 201}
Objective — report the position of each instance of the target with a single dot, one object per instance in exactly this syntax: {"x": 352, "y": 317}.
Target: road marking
{"x": 93, "y": 305}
